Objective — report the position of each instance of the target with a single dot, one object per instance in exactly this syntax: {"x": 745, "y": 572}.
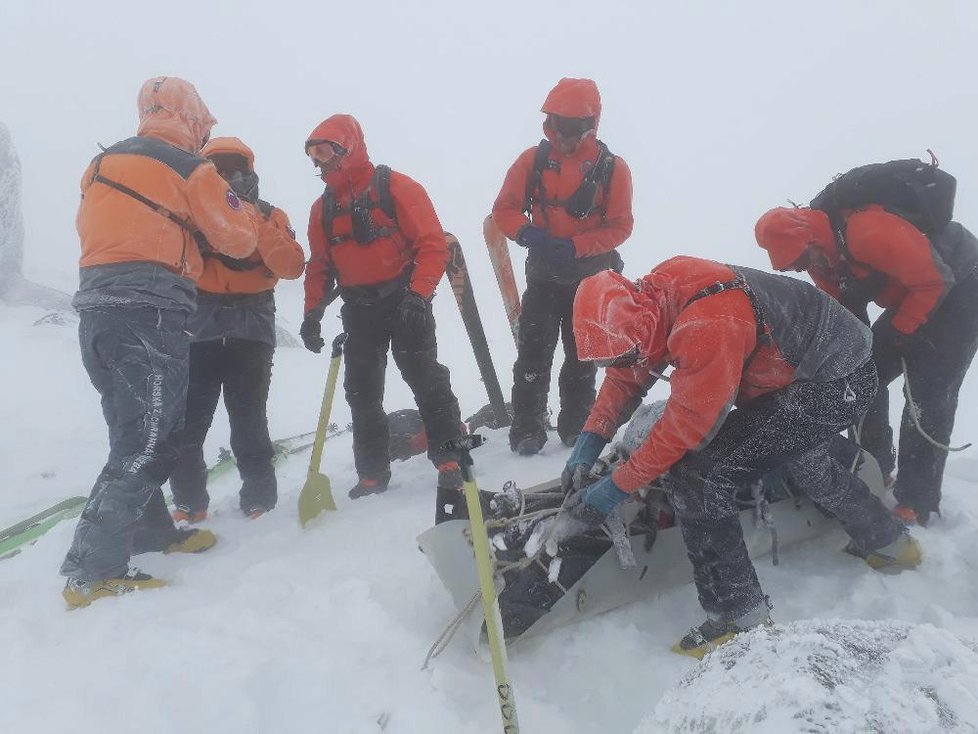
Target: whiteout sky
{"x": 722, "y": 109}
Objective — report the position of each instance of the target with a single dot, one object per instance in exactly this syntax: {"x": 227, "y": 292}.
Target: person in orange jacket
{"x": 374, "y": 234}
{"x": 767, "y": 370}
{"x": 150, "y": 205}
{"x": 232, "y": 346}
{"x": 568, "y": 201}
{"x": 929, "y": 290}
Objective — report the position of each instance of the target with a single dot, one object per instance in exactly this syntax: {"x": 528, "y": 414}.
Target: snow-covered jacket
{"x": 728, "y": 344}
{"x": 597, "y": 235}
{"x": 890, "y": 261}
{"x": 413, "y": 247}
{"x": 161, "y": 164}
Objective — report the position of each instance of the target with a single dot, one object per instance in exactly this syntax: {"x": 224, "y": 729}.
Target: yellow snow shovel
{"x": 317, "y": 495}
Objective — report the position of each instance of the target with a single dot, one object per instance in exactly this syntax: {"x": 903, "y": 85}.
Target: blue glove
{"x": 586, "y": 451}
{"x": 603, "y": 495}
{"x": 530, "y": 236}
{"x": 560, "y": 250}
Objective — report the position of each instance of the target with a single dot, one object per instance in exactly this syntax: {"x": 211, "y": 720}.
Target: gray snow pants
{"x": 791, "y": 428}
{"x": 138, "y": 360}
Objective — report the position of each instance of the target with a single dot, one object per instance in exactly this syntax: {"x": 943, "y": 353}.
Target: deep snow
{"x": 283, "y": 630}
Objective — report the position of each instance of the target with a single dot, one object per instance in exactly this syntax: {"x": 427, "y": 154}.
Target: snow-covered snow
{"x": 722, "y": 110}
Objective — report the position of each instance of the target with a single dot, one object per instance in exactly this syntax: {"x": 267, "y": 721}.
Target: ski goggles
{"x": 570, "y": 127}
{"x": 323, "y": 151}
{"x": 628, "y": 359}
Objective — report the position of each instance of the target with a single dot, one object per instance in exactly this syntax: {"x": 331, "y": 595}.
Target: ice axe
{"x": 317, "y": 494}
{"x": 462, "y": 447}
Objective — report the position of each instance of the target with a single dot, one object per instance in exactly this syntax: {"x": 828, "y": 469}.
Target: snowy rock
{"x": 15, "y": 290}
{"x": 827, "y": 677}
{"x": 11, "y": 218}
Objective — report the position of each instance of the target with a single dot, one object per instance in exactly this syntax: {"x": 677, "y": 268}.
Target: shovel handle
{"x": 315, "y": 460}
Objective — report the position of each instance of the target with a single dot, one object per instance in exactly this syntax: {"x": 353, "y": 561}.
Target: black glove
{"x": 412, "y": 312}
{"x": 888, "y": 343}
{"x": 311, "y": 332}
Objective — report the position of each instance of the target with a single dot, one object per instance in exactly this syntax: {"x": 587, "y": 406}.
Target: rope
{"x": 914, "y": 411}
{"x": 449, "y": 632}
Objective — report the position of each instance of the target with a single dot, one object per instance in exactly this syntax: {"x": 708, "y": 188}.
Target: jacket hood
{"x": 613, "y": 314}
{"x": 171, "y": 110}
{"x": 786, "y": 232}
{"x": 345, "y": 131}
{"x": 232, "y": 146}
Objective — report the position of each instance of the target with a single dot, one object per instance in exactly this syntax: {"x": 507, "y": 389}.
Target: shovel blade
{"x": 315, "y": 498}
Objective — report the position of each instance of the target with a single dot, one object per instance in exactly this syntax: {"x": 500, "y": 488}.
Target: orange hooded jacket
{"x": 415, "y": 241}
{"x": 713, "y": 344}
{"x": 114, "y": 227}
{"x": 611, "y": 221}
{"x": 914, "y": 277}
{"x": 278, "y": 255}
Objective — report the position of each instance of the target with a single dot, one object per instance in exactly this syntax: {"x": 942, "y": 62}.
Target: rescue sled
{"x": 590, "y": 577}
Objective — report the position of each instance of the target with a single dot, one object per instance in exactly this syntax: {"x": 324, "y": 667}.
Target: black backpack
{"x": 919, "y": 192}
{"x": 364, "y": 231}
{"x": 582, "y": 202}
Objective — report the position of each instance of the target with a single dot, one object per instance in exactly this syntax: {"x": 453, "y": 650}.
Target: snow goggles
{"x": 628, "y": 359}
{"x": 571, "y": 127}
{"x": 323, "y": 151}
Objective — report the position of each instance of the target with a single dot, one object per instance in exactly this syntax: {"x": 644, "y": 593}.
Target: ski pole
{"x": 462, "y": 446}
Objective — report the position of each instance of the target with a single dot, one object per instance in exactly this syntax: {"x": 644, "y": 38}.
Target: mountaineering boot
{"x": 370, "y": 485}
{"x": 449, "y": 499}
{"x": 902, "y": 554}
{"x": 184, "y": 514}
{"x": 715, "y": 632}
{"x": 255, "y": 512}
{"x": 531, "y": 444}
{"x": 192, "y": 541}
{"x": 79, "y": 594}
{"x": 909, "y": 516}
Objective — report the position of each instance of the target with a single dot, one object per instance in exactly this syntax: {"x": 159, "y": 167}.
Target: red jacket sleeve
{"x": 507, "y": 211}
{"x": 894, "y": 247}
{"x": 708, "y": 352}
{"x": 616, "y": 227}
{"x": 621, "y": 387}
{"x": 278, "y": 248}
{"x": 320, "y": 276}
{"x": 418, "y": 222}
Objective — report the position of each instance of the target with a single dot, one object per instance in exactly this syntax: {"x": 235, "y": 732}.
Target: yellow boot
{"x": 902, "y": 554}
{"x": 194, "y": 540}
{"x": 79, "y": 594}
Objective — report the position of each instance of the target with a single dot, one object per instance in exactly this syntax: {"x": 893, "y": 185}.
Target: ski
{"x": 458, "y": 277}
{"x": 502, "y": 265}
{"x": 35, "y": 526}
{"x": 14, "y": 538}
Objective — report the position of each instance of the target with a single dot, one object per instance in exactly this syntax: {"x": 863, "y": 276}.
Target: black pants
{"x": 791, "y": 428}
{"x": 372, "y": 329}
{"x": 938, "y": 356}
{"x": 243, "y": 368}
{"x": 548, "y": 310}
{"x": 137, "y": 359}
